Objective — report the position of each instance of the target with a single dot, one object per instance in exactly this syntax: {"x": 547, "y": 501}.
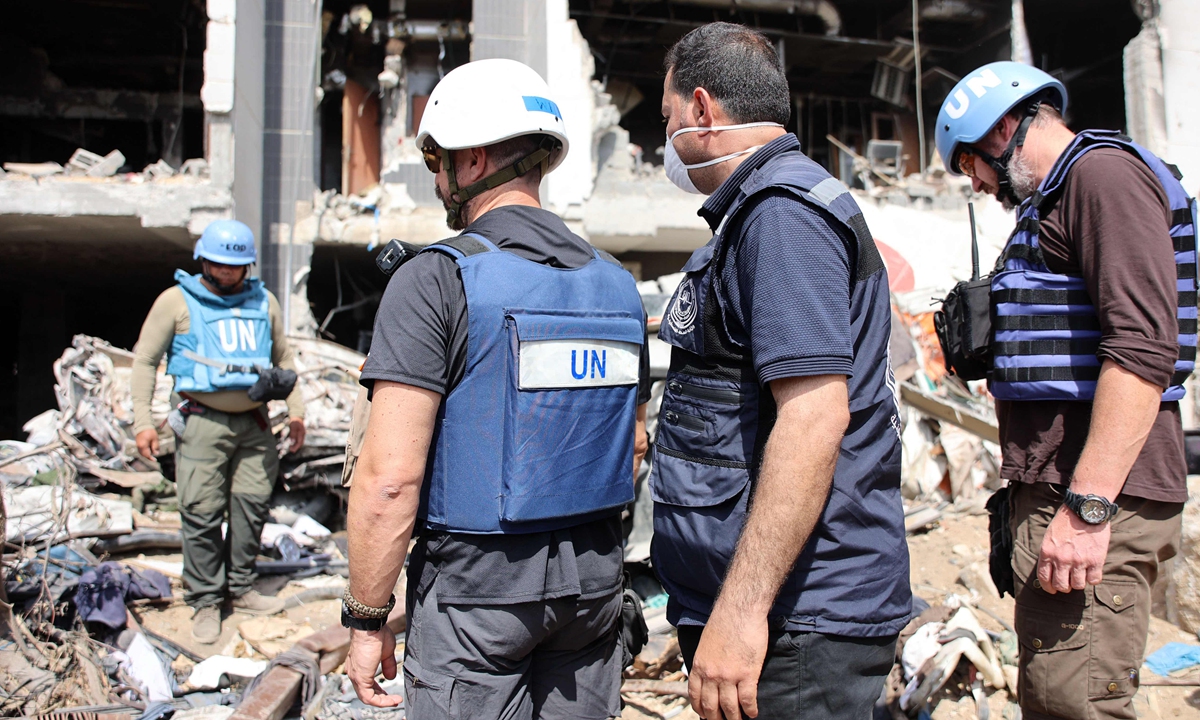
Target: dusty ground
{"x": 938, "y": 556}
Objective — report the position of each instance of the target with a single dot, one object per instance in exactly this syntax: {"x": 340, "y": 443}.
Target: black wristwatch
{"x": 1092, "y": 509}
{"x": 357, "y": 623}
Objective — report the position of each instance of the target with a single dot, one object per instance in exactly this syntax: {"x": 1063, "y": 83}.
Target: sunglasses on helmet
{"x": 432, "y": 155}
{"x": 966, "y": 163}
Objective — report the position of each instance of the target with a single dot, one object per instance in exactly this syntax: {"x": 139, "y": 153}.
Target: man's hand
{"x": 1073, "y": 553}
{"x": 147, "y": 443}
{"x": 295, "y": 435}
{"x": 367, "y": 651}
{"x": 723, "y": 682}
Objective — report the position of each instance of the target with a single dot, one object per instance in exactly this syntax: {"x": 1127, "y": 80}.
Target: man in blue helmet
{"x": 220, "y": 329}
{"x": 1094, "y": 321}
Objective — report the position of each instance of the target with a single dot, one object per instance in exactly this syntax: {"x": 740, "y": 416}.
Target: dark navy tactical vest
{"x": 852, "y": 576}
{"x": 228, "y": 334}
{"x": 538, "y": 434}
{"x": 1046, "y": 328}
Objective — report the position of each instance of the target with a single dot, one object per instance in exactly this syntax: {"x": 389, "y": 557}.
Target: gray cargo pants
{"x": 223, "y": 464}
{"x": 551, "y": 659}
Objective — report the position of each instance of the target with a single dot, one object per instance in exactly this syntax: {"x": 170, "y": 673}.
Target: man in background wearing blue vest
{"x": 217, "y": 329}
{"x": 508, "y": 377}
{"x": 778, "y": 526}
{"x": 1094, "y": 321}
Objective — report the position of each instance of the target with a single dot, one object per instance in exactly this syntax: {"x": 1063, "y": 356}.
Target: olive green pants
{"x": 1081, "y": 651}
{"x": 224, "y": 465}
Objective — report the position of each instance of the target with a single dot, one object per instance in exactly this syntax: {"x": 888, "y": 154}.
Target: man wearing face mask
{"x": 1094, "y": 321}
{"x": 779, "y": 531}
{"x": 508, "y": 379}
{"x": 218, "y": 329}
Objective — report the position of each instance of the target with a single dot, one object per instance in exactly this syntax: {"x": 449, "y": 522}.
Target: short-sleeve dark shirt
{"x": 1110, "y": 226}
{"x": 420, "y": 339}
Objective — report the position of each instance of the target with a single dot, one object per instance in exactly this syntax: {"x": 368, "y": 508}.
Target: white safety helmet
{"x": 488, "y": 101}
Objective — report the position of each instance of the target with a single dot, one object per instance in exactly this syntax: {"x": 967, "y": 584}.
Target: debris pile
{"x": 951, "y": 456}
{"x": 946, "y": 645}
{"x": 93, "y": 534}
{"x": 88, "y": 165}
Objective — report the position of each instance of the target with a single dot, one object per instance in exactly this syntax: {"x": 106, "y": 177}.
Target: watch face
{"x": 1093, "y": 511}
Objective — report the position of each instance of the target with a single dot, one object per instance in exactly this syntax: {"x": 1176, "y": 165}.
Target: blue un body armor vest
{"x": 538, "y": 434}
{"x": 1046, "y": 327}
{"x": 230, "y": 336}
{"x": 852, "y": 576}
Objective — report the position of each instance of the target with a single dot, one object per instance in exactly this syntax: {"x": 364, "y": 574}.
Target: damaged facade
{"x": 298, "y": 118}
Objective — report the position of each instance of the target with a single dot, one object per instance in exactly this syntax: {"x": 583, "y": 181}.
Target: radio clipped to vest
{"x": 964, "y": 323}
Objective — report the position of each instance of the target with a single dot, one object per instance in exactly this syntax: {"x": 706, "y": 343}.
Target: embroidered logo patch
{"x": 682, "y": 317}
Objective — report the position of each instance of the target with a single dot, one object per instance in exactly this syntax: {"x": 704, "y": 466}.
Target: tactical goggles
{"x": 433, "y": 157}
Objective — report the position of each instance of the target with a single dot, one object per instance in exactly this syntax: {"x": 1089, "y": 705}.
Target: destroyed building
{"x": 128, "y": 126}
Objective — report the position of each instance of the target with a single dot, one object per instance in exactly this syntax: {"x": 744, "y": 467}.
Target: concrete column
{"x": 291, "y": 56}
{"x": 1145, "y": 114}
{"x": 393, "y": 107}
{"x": 514, "y": 29}
{"x": 1179, "y": 28}
{"x": 247, "y": 116}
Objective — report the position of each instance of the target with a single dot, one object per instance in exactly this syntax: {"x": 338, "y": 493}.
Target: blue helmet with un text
{"x": 985, "y": 96}
{"x": 228, "y": 242}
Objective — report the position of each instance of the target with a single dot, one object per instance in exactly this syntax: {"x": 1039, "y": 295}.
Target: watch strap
{"x": 1074, "y": 501}
{"x": 357, "y": 623}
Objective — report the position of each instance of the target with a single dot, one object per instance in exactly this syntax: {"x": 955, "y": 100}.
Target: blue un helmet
{"x": 981, "y": 99}
{"x": 228, "y": 242}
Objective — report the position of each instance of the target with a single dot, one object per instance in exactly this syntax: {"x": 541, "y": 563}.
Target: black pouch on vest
{"x": 964, "y": 324}
{"x": 273, "y": 384}
{"x": 1001, "y": 545}
{"x": 964, "y": 329}
{"x": 634, "y": 632}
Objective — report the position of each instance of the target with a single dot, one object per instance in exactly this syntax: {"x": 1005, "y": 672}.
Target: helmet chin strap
{"x": 222, "y": 289}
{"x": 1000, "y": 164}
{"x": 455, "y": 217}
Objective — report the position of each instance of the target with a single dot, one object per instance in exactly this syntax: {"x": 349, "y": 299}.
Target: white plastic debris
{"x": 146, "y": 667}
{"x": 206, "y": 675}
{"x": 271, "y": 533}
{"x": 311, "y": 528}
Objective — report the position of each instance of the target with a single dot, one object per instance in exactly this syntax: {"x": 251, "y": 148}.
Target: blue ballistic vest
{"x": 1046, "y": 327}
{"x": 538, "y": 434}
{"x": 230, "y": 336}
{"x": 852, "y": 576}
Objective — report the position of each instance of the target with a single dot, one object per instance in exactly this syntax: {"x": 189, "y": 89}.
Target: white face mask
{"x": 677, "y": 171}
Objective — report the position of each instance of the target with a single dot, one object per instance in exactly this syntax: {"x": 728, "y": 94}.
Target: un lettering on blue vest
{"x": 237, "y": 335}
{"x": 545, "y": 364}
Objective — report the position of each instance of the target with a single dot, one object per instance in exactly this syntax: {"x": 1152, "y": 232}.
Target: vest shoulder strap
{"x": 607, "y": 257}
{"x": 1092, "y": 139}
{"x": 459, "y": 247}
{"x": 813, "y": 185}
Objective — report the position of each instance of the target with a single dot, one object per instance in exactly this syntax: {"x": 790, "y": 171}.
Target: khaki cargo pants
{"x": 1081, "y": 651}
{"x": 224, "y": 465}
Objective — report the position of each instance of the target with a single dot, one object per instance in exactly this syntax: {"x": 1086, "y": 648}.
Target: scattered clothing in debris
{"x": 103, "y": 590}
{"x": 1173, "y": 657}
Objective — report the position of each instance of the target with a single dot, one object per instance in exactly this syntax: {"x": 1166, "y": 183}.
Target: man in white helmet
{"x": 508, "y": 380}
